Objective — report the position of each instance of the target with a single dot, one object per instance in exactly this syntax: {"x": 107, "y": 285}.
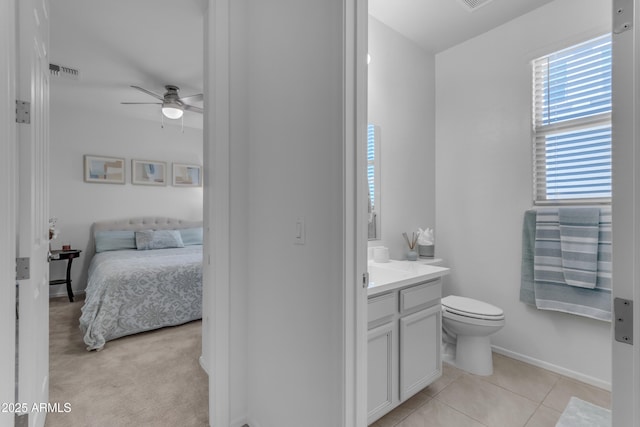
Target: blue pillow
{"x": 191, "y": 236}
{"x": 114, "y": 240}
{"x": 158, "y": 239}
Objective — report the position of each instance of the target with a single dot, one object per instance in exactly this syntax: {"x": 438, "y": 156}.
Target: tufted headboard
{"x": 119, "y": 234}
{"x": 144, "y": 223}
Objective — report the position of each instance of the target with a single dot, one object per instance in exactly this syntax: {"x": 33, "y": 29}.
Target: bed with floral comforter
{"x": 131, "y": 291}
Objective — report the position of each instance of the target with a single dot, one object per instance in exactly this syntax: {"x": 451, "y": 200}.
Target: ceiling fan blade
{"x": 193, "y": 98}
{"x": 148, "y": 92}
{"x": 188, "y": 107}
{"x": 137, "y": 103}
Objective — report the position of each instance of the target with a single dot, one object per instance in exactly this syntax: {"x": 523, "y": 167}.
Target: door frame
{"x": 355, "y": 279}
{"x": 8, "y": 192}
{"x": 216, "y": 269}
{"x": 626, "y": 209}
{"x": 217, "y": 217}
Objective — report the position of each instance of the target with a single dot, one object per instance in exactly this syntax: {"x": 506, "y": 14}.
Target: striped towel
{"x": 579, "y": 245}
{"x": 550, "y": 288}
{"x": 527, "y": 294}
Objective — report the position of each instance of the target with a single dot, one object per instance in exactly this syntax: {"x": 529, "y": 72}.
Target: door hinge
{"x": 365, "y": 280}
{"x": 22, "y": 268}
{"x": 622, "y": 16}
{"x": 623, "y": 312}
{"x": 23, "y": 112}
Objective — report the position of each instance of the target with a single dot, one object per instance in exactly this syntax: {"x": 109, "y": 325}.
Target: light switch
{"x": 299, "y": 232}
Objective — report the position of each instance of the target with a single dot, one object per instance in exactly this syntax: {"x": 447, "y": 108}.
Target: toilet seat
{"x": 468, "y": 307}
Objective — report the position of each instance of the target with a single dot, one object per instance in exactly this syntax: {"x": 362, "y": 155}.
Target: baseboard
{"x": 554, "y": 368}
{"x": 63, "y": 293}
{"x": 203, "y": 365}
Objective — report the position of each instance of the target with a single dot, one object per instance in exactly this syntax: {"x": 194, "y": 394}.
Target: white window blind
{"x": 572, "y": 123}
{"x": 371, "y": 163}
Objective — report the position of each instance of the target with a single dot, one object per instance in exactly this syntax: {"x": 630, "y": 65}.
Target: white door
{"x": 420, "y": 364}
{"x": 8, "y": 182}
{"x": 33, "y": 207}
{"x": 381, "y": 375}
{"x": 626, "y": 210}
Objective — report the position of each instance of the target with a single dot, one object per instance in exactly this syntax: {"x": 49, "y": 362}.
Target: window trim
{"x": 539, "y": 131}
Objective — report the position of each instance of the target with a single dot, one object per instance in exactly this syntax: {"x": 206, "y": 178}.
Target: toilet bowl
{"x": 470, "y": 323}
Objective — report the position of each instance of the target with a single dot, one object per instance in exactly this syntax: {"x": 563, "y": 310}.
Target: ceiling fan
{"x": 173, "y": 106}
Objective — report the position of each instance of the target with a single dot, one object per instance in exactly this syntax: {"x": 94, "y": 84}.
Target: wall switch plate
{"x": 299, "y": 232}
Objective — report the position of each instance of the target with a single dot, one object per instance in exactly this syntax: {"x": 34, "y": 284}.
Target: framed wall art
{"x": 187, "y": 175}
{"x": 105, "y": 170}
{"x": 148, "y": 172}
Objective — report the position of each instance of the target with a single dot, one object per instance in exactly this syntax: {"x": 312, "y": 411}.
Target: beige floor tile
{"x": 487, "y": 403}
{"x": 544, "y": 417}
{"x": 449, "y": 374}
{"x": 559, "y": 396}
{"x": 522, "y": 378}
{"x": 437, "y": 414}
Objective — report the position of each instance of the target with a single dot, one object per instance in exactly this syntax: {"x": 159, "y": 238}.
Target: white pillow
{"x": 158, "y": 239}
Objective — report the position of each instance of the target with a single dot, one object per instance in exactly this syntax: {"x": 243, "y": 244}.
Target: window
{"x": 371, "y": 163}
{"x": 572, "y": 124}
{"x": 373, "y": 180}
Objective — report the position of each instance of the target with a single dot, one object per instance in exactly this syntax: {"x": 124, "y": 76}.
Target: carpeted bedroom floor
{"x": 149, "y": 379}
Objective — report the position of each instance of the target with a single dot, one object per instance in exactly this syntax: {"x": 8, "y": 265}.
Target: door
{"x": 8, "y": 182}
{"x": 420, "y": 336}
{"x": 381, "y": 359}
{"x": 33, "y": 207}
{"x": 626, "y": 210}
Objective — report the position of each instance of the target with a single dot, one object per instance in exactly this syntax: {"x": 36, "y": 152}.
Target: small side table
{"x": 60, "y": 255}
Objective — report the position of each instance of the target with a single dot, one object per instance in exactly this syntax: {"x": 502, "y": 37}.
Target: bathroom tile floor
{"x": 516, "y": 395}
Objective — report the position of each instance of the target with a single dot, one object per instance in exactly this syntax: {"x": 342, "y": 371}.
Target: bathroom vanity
{"x": 404, "y": 332}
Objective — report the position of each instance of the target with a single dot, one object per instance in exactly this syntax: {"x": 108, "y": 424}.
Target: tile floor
{"x": 516, "y": 395}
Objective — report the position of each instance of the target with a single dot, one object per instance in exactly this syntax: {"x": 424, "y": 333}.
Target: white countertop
{"x": 386, "y": 276}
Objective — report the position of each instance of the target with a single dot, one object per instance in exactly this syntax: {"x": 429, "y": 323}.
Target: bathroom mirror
{"x": 373, "y": 180}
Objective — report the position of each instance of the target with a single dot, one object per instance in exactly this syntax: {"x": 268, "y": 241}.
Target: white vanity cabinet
{"x": 404, "y": 339}
{"x": 382, "y": 355}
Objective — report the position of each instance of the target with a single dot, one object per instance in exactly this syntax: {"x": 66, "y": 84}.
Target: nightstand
{"x": 60, "y": 255}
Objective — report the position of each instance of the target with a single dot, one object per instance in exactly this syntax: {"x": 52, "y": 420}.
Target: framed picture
{"x": 105, "y": 170}
{"x": 187, "y": 175}
{"x": 148, "y": 172}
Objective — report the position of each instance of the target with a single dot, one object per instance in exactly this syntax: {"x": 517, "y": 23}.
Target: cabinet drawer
{"x": 420, "y": 296}
{"x": 381, "y": 308}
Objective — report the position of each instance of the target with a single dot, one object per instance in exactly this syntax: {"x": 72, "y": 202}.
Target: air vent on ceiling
{"x": 472, "y": 5}
{"x": 62, "y": 71}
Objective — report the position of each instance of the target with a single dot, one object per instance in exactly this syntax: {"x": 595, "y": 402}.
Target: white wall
{"x": 77, "y": 204}
{"x": 401, "y": 102}
{"x": 483, "y": 185}
{"x": 290, "y": 165}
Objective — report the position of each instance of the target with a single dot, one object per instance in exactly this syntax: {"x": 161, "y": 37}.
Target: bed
{"x": 146, "y": 274}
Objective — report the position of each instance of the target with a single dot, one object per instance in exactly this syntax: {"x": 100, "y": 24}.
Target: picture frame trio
{"x": 112, "y": 170}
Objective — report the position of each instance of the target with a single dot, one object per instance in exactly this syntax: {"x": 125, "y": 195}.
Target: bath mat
{"x": 579, "y": 413}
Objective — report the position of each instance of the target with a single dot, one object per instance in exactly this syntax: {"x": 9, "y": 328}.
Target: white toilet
{"x": 470, "y": 323}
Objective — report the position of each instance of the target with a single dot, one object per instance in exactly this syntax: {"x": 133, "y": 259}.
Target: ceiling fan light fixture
{"x": 172, "y": 110}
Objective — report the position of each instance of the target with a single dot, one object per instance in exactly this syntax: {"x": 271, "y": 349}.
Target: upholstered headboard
{"x": 121, "y": 233}
{"x": 144, "y": 223}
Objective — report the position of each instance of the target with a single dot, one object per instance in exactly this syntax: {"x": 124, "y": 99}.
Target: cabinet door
{"x": 380, "y": 376}
{"x": 420, "y": 341}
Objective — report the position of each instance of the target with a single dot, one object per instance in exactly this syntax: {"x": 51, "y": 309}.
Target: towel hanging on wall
{"x": 542, "y": 278}
{"x": 579, "y": 230}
